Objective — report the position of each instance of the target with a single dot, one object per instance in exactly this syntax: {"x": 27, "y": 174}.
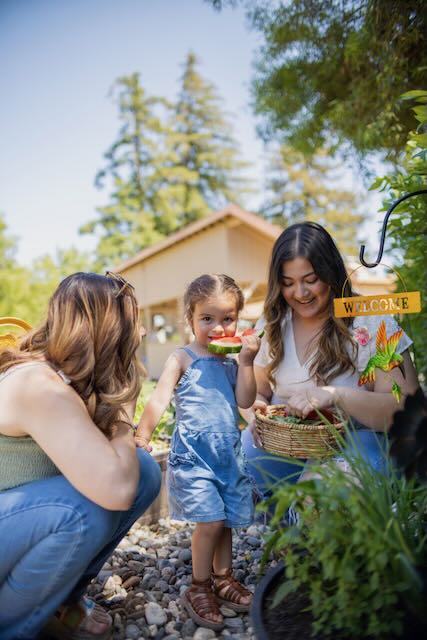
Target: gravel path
{"x": 148, "y": 571}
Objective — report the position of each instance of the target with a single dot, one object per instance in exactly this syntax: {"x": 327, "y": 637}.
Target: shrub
{"x": 358, "y": 550}
{"x": 164, "y": 429}
{"x": 408, "y": 223}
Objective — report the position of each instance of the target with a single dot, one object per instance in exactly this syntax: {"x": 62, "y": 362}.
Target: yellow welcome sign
{"x": 388, "y": 303}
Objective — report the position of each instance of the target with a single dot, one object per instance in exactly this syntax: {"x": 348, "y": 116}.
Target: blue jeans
{"x": 266, "y": 468}
{"x": 53, "y": 542}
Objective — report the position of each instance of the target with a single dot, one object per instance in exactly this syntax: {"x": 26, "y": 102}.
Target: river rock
{"x": 154, "y": 614}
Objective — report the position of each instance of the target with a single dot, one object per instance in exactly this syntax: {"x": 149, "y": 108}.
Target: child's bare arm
{"x": 246, "y": 385}
{"x": 158, "y": 401}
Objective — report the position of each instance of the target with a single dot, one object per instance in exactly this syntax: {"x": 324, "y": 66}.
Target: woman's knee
{"x": 52, "y": 509}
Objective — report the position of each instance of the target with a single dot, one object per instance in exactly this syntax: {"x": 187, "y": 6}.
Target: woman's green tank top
{"x": 21, "y": 458}
{"x": 21, "y": 461}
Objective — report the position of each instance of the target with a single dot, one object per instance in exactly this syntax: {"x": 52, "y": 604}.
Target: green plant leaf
{"x": 415, "y": 93}
{"x": 281, "y": 593}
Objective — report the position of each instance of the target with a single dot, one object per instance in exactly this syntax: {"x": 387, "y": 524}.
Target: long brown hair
{"x": 91, "y": 334}
{"x": 311, "y": 241}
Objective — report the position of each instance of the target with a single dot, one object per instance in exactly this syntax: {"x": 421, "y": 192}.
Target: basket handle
{"x": 10, "y": 321}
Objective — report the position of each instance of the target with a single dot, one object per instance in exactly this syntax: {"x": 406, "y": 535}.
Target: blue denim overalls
{"x": 207, "y": 476}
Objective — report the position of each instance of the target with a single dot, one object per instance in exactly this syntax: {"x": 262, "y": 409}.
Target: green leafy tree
{"x": 334, "y": 69}
{"x": 129, "y": 222}
{"x": 15, "y": 291}
{"x": 47, "y": 272}
{"x": 301, "y": 188}
{"x": 206, "y": 172}
{"x": 24, "y": 292}
{"x": 407, "y": 228}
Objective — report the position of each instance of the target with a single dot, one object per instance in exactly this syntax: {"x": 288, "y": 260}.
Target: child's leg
{"x": 205, "y": 538}
{"x": 199, "y": 599}
{"x": 227, "y": 589}
{"x": 222, "y": 559}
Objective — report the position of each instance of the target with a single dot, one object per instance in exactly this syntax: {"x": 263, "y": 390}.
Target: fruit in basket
{"x": 222, "y": 346}
{"x": 313, "y": 418}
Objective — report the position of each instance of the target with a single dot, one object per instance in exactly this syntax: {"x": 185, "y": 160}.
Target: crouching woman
{"x": 72, "y": 481}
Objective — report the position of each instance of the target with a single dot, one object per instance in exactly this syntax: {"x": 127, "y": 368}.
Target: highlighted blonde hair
{"x": 208, "y": 286}
{"x": 92, "y": 335}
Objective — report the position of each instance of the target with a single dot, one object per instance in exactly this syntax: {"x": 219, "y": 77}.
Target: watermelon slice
{"x": 222, "y": 346}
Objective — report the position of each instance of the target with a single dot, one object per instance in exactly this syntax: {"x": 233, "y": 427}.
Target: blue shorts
{"x": 212, "y": 484}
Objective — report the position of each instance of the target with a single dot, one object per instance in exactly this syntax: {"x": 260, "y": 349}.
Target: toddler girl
{"x": 207, "y": 479}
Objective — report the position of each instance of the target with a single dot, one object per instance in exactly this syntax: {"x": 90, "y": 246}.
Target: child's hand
{"x": 250, "y": 347}
{"x": 143, "y": 442}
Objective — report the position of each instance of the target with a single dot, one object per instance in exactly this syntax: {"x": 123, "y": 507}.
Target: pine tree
{"x": 170, "y": 165}
{"x": 206, "y": 172}
{"x": 303, "y": 189}
{"x": 129, "y": 222}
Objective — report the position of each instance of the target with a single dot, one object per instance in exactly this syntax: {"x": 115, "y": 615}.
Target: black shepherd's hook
{"x": 384, "y": 229}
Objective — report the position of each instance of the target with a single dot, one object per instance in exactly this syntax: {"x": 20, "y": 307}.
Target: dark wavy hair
{"x": 92, "y": 334}
{"x": 311, "y": 241}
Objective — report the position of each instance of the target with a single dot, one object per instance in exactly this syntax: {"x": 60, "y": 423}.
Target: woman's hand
{"x": 261, "y": 406}
{"x": 303, "y": 402}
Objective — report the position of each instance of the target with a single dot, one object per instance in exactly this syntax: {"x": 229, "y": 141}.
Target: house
{"x": 231, "y": 241}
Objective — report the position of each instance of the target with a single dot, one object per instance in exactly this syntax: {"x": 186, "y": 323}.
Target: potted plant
{"x": 354, "y": 564}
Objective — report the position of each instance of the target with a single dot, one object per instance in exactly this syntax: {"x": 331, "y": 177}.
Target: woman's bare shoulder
{"x": 32, "y": 372}
{"x": 36, "y": 382}
{"x": 31, "y": 391}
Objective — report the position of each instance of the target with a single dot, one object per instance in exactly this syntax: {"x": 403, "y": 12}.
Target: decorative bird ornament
{"x": 385, "y": 358}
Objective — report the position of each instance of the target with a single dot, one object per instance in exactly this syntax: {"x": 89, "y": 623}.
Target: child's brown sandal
{"x": 200, "y": 603}
{"x": 230, "y": 592}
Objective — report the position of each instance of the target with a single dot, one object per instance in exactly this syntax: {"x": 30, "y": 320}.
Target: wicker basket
{"x": 298, "y": 440}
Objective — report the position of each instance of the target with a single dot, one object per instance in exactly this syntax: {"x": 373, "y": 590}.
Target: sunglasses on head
{"x": 121, "y": 281}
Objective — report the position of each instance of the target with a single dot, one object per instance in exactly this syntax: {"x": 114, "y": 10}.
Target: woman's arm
{"x": 374, "y": 409}
{"x": 158, "y": 401}
{"x": 105, "y": 471}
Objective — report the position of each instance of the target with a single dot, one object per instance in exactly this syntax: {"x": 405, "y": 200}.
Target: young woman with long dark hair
{"x": 311, "y": 359}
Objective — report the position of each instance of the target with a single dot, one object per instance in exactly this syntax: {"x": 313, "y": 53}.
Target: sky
{"x": 58, "y": 61}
